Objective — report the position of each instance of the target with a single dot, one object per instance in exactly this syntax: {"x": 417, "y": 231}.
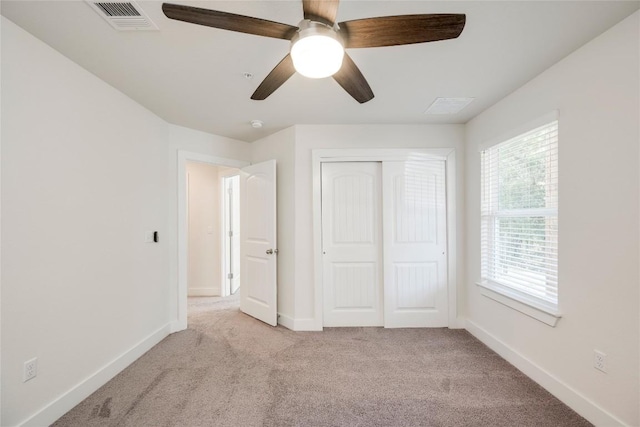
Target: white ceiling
{"x": 192, "y": 75}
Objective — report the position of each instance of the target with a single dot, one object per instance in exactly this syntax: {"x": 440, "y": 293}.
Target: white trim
{"x": 377, "y": 155}
{"x": 225, "y": 284}
{"x": 204, "y": 292}
{"x": 297, "y": 324}
{"x": 180, "y": 298}
{"x": 205, "y": 158}
{"x": 175, "y": 326}
{"x": 450, "y": 168}
{"x": 316, "y": 170}
{"x": 380, "y": 154}
{"x": 519, "y": 130}
{"x": 565, "y": 393}
{"x": 225, "y": 287}
{"x": 0, "y": 235}
{"x": 517, "y": 303}
{"x": 306, "y": 325}
{"x": 286, "y": 321}
{"x": 63, "y": 404}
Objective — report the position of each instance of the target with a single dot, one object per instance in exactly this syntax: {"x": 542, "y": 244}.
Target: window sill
{"x": 502, "y": 296}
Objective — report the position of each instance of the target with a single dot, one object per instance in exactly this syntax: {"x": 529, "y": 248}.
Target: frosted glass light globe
{"x": 317, "y": 52}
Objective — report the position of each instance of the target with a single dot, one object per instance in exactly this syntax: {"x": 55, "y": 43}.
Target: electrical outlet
{"x": 30, "y": 369}
{"x": 600, "y": 361}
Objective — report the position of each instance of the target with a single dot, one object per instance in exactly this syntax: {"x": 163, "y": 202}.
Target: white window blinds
{"x": 519, "y": 205}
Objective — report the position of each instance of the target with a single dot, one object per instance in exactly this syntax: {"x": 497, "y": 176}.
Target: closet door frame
{"x": 382, "y": 155}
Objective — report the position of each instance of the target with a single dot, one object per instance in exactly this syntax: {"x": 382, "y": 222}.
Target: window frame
{"x": 538, "y": 308}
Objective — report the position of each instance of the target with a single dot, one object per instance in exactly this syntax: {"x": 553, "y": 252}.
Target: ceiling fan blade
{"x": 229, "y": 21}
{"x": 352, "y": 80}
{"x": 399, "y": 30}
{"x": 324, "y": 11}
{"x": 274, "y": 79}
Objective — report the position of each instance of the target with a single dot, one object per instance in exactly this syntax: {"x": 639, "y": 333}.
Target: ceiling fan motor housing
{"x": 317, "y": 49}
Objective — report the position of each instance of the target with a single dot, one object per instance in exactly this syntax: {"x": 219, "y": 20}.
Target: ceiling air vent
{"x": 123, "y": 16}
{"x": 448, "y": 105}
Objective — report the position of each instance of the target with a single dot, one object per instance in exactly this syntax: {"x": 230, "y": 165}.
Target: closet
{"x": 384, "y": 242}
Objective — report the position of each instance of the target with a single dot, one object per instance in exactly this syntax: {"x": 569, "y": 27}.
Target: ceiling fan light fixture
{"x": 316, "y": 50}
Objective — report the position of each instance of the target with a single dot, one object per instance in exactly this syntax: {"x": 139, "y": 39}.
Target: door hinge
{"x": 230, "y": 233}
{"x": 230, "y": 276}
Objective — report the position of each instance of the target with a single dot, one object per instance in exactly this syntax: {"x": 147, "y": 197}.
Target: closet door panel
{"x": 352, "y": 247}
{"x": 415, "y": 281}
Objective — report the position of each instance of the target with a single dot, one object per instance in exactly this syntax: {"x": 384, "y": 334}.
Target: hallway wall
{"x": 204, "y": 228}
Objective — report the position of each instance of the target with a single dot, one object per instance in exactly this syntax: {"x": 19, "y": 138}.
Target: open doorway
{"x": 258, "y": 250}
{"x": 213, "y": 220}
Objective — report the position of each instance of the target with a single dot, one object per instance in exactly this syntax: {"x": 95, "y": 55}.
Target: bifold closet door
{"x": 352, "y": 244}
{"x": 415, "y": 236}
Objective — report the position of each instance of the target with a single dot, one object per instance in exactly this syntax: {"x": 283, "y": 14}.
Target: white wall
{"x": 1, "y": 21}
{"x": 310, "y": 137}
{"x": 280, "y": 146}
{"x": 195, "y": 141}
{"x": 596, "y": 90}
{"x": 205, "y": 255}
{"x": 84, "y": 175}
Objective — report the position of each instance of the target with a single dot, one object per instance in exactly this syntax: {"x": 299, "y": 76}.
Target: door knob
{"x": 269, "y": 251}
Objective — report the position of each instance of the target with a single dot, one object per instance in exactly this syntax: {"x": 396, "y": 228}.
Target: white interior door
{"x": 415, "y": 232}
{"x": 352, "y": 249}
{"x": 258, "y": 293}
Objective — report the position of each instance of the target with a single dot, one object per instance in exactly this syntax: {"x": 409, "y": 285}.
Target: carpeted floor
{"x": 228, "y": 369}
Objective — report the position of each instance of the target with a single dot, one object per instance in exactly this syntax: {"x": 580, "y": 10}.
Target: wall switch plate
{"x": 30, "y": 369}
{"x": 600, "y": 361}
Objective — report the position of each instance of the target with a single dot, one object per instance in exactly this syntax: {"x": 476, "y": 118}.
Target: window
{"x": 519, "y": 203}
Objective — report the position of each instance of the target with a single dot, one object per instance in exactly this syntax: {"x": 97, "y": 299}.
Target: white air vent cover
{"x": 448, "y": 105}
{"x": 123, "y": 16}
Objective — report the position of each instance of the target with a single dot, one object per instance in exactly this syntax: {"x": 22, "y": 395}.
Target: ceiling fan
{"x": 318, "y": 43}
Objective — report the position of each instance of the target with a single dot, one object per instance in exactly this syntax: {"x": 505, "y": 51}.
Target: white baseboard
{"x": 286, "y": 321}
{"x": 63, "y": 404}
{"x": 203, "y": 292}
{"x": 569, "y": 396}
{"x": 177, "y": 326}
{"x": 297, "y": 324}
{"x": 306, "y": 325}
{"x": 459, "y": 323}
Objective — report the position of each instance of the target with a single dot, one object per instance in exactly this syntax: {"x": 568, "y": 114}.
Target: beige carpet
{"x": 228, "y": 369}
